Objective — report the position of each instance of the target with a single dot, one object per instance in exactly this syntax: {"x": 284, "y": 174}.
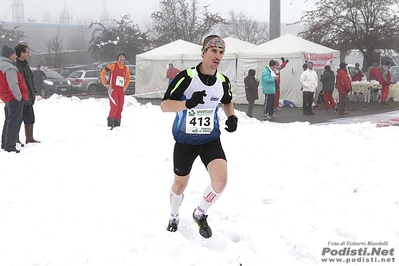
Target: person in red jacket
{"x": 13, "y": 93}
{"x": 344, "y": 86}
{"x": 374, "y": 72}
{"x": 277, "y": 96}
{"x": 385, "y": 82}
{"x": 116, "y": 83}
{"x": 357, "y": 74}
{"x": 171, "y": 73}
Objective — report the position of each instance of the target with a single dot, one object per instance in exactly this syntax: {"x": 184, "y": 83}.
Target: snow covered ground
{"x": 87, "y": 195}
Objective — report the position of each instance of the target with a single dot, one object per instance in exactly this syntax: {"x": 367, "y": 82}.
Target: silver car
{"x": 85, "y": 81}
{"x": 132, "y": 84}
{"x": 394, "y": 74}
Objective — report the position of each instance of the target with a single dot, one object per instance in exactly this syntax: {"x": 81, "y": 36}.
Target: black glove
{"x": 197, "y": 98}
{"x": 287, "y": 61}
{"x": 231, "y": 123}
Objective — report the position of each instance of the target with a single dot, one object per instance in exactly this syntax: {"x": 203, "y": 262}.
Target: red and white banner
{"x": 319, "y": 60}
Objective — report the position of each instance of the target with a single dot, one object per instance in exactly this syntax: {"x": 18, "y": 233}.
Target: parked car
{"x": 394, "y": 73}
{"x": 66, "y": 71}
{"x": 132, "y": 83}
{"x": 85, "y": 81}
{"x": 55, "y": 83}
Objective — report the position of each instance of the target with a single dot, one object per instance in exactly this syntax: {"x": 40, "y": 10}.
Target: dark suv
{"x": 85, "y": 81}
{"x": 55, "y": 83}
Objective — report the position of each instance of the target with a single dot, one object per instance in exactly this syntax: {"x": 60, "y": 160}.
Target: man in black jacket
{"x": 22, "y": 52}
{"x": 40, "y": 76}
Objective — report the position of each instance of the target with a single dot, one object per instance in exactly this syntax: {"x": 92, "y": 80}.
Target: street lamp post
{"x": 275, "y": 19}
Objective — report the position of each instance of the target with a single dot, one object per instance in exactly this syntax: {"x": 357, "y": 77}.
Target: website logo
{"x": 358, "y": 252}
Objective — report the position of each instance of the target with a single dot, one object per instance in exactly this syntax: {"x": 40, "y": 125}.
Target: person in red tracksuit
{"x": 117, "y": 82}
{"x": 374, "y": 73}
{"x": 344, "y": 86}
{"x": 385, "y": 82}
{"x": 277, "y": 97}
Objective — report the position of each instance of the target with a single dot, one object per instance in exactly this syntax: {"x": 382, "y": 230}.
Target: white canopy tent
{"x": 297, "y": 51}
{"x": 151, "y": 66}
{"x": 229, "y": 63}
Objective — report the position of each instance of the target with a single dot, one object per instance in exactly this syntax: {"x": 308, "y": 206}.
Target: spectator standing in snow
{"x": 385, "y": 82}
{"x": 171, "y": 73}
{"x": 284, "y": 62}
{"x": 357, "y": 74}
{"x": 251, "y": 90}
{"x": 40, "y": 76}
{"x": 22, "y": 51}
{"x": 309, "y": 82}
{"x": 328, "y": 80}
{"x": 13, "y": 92}
{"x": 344, "y": 86}
{"x": 269, "y": 83}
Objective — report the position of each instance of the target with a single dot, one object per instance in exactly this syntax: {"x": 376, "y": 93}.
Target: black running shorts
{"x": 184, "y": 155}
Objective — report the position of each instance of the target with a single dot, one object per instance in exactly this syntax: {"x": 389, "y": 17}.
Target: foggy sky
{"x": 90, "y": 10}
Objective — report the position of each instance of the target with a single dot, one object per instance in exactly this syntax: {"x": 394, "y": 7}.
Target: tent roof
{"x": 234, "y": 45}
{"x": 286, "y": 45}
{"x": 175, "y": 50}
{"x": 186, "y": 50}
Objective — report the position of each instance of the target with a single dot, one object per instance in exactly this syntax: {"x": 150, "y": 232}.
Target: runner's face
{"x": 213, "y": 57}
{"x": 121, "y": 59}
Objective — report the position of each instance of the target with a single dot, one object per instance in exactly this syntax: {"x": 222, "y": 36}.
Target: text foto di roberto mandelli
{"x": 355, "y": 243}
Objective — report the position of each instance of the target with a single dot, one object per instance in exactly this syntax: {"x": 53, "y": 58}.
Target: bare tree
{"x": 80, "y": 40}
{"x": 55, "y": 56}
{"x": 178, "y": 19}
{"x": 366, "y": 25}
{"x": 245, "y": 28}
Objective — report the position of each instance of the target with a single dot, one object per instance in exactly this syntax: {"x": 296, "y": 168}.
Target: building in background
{"x": 74, "y": 40}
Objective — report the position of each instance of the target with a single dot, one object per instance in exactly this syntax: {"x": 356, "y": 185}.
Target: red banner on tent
{"x": 319, "y": 60}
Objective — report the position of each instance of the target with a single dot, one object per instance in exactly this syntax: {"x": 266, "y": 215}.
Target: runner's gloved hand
{"x": 231, "y": 123}
{"x": 197, "y": 98}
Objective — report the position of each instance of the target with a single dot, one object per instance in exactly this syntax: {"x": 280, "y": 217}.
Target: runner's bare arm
{"x": 228, "y": 109}
{"x": 173, "y": 106}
